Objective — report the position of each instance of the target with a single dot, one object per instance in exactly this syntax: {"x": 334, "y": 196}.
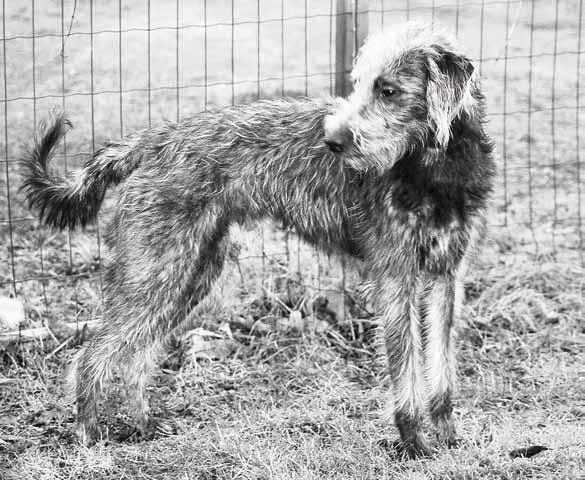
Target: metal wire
{"x": 186, "y": 26}
{"x": 505, "y": 117}
{"x": 577, "y": 135}
{"x": 233, "y": 55}
{"x": 65, "y": 156}
{"x": 34, "y": 90}
{"x": 148, "y": 46}
{"x": 552, "y": 130}
{"x": 520, "y": 184}
{"x": 93, "y": 141}
{"x": 481, "y": 35}
{"x": 529, "y": 133}
{"x": 177, "y": 71}
{"x": 254, "y": 81}
{"x": 205, "y": 53}
{"x": 120, "y": 81}
{"x": 8, "y": 196}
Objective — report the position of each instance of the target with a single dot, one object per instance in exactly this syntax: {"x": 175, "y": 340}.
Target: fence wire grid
{"x": 119, "y": 65}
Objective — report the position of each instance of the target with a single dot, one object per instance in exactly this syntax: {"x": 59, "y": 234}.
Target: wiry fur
{"x": 405, "y": 192}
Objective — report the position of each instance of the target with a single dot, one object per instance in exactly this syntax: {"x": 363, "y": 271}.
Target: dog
{"x": 397, "y": 175}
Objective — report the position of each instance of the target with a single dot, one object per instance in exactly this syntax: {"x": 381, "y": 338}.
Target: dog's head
{"x": 409, "y": 86}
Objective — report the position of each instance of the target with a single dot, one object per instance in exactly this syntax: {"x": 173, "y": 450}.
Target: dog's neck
{"x": 457, "y": 178}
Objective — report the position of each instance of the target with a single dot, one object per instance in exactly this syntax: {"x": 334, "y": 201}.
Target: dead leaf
{"x": 209, "y": 345}
{"x": 294, "y": 322}
{"x": 11, "y": 313}
{"x": 527, "y": 452}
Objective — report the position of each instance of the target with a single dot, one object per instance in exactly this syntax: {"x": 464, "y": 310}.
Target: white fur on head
{"x": 381, "y": 50}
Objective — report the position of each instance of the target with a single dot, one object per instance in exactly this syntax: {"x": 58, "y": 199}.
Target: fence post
{"x": 351, "y": 28}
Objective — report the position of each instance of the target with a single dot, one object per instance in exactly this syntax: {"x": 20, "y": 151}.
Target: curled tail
{"x": 74, "y": 200}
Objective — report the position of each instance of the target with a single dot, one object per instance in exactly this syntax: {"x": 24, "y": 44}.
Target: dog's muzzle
{"x": 338, "y": 140}
{"x": 337, "y": 136}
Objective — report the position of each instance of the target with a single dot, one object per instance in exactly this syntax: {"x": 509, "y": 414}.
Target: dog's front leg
{"x": 441, "y": 307}
{"x": 398, "y": 306}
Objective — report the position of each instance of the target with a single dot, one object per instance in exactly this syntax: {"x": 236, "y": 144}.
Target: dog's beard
{"x": 376, "y": 153}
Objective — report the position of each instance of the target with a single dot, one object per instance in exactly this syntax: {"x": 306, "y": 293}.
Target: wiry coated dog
{"x": 397, "y": 175}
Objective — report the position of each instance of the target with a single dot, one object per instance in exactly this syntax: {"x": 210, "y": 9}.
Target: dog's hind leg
{"x": 440, "y": 305}
{"x": 147, "y": 348}
{"x": 93, "y": 368}
{"x": 161, "y": 271}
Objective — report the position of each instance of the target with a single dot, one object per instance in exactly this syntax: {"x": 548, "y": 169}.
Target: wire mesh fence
{"x": 119, "y": 65}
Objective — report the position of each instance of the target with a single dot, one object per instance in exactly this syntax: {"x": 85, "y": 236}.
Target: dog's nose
{"x": 339, "y": 140}
{"x": 334, "y": 146}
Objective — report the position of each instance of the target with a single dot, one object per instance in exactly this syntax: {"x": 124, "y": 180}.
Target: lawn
{"x": 280, "y": 394}
{"x": 304, "y": 400}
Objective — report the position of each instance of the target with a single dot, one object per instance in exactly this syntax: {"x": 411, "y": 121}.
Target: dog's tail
{"x": 74, "y": 200}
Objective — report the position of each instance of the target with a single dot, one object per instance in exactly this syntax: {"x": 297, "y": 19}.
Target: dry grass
{"x": 301, "y": 397}
{"x": 301, "y": 404}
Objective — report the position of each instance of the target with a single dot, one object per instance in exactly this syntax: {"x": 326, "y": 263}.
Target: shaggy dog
{"x": 397, "y": 175}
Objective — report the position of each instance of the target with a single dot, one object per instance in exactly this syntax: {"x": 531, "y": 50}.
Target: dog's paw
{"x": 450, "y": 442}
{"x": 447, "y": 435}
{"x": 86, "y": 434}
{"x": 407, "y": 450}
{"x": 157, "y": 427}
{"x": 165, "y": 427}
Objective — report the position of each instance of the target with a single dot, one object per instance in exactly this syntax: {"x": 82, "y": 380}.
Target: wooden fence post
{"x": 351, "y": 27}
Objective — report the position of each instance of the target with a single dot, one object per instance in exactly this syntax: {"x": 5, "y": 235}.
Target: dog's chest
{"x": 434, "y": 226}
{"x": 440, "y": 248}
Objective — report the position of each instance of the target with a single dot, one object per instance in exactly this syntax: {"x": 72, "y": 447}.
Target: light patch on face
{"x": 380, "y": 50}
{"x": 373, "y": 136}
{"x": 333, "y": 123}
{"x": 371, "y": 147}
{"x": 378, "y": 141}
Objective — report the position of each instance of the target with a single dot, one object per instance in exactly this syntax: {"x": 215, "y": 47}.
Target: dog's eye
{"x": 387, "y": 92}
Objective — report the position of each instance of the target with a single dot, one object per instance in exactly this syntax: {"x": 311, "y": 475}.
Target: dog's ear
{"x": 448, "y": 90}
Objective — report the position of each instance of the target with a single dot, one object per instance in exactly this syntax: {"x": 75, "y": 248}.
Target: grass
{"x": 298, "y": 397}
{"x": 306, "y": 404}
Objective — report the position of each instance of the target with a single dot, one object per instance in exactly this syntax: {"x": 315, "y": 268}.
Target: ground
{"x": 286, "y": 391}
{"x": 300, "y": 402}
